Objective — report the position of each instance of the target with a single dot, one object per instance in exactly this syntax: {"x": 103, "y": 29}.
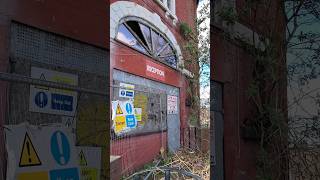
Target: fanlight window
{"x": 148, "y": 41}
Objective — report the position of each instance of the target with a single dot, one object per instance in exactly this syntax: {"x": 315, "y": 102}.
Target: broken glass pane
{"x": 167, "y": 51}
{"x": 171, "y": 60}
{"x": 146, "y": 32}
{"x": 158, "y": 41}
{"x": 127, "y": 37}
{"x": 134, "y": 25}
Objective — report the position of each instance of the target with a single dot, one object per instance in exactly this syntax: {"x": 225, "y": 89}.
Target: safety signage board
{"x": 119, "y": 110}
{"x": 131, "y": 121}
{"x": 119, "y": 124}
{"x": 33, "y": 175}
{"x": 51, "y": 100}
{"x": 64, "y": 174}
{"x": 128, "y": 107}
{"x": 125, "y": 93}
{"x": 172, "y": 104}
{"x": 89, "y": 173}
{"x": 123, "y": 116}
{"x": 138, "y": 114}
{"x": 40, "y": 152}
{"x": 60, "y": 148}
{"x": 126, "y": 90}
{"x": 141, "y": 101}
{"x": 89, "y": 167}
{"x": 82, "y": 159}
{"x": 127, "y": 86}
{"x": 122, "y": 108}
{"x": 29, "y": 155}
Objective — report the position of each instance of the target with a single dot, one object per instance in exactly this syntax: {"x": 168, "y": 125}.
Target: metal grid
{"x": 89, "y": 124}
{"x": 43, "y": 47}
{"x": 31, "y": 47}
{"x": 155, "y": 125}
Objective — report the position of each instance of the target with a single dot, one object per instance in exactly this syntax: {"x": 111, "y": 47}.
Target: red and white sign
{"x": 155, "y": 71}
{"x": 172, "y": 104}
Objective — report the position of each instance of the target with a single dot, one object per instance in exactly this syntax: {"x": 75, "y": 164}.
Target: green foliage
{"x": 253, "y": 89}
{"x": 185, "y": 29}
{"x": 228, "y": 15}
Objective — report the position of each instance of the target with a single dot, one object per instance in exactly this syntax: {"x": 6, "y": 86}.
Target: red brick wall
{"x": 77, "y": 19}
{"x": 131, "y": 61}
{"x": 139, "y": 150}
{"x": 260, "y": 18}
{"x": 87, "y": 22}
{"x": 185, "y": 11}
{"x": 232, "y": 66}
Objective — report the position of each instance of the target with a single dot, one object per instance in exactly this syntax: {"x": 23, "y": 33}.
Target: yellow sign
{"x": 141, "y": 101}
{"x": 63, "y": 80}
{"x": 82, "y": 159}
{"x": 119, "y": 110}
{"x": 42, "y": 77}
{"x": 29, "y": 156}
{"x": 120, "y": 123}
{"x": 33, "y": 175}
{"x": 137, "y": 113}
{"x": 138, "y": 117}
{"x": 89, "y": 173}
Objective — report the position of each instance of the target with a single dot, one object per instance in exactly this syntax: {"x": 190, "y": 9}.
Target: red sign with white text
{"x": 155, "y": 71}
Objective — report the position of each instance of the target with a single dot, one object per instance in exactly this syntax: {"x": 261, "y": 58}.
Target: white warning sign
{"x": 123, "y": 116}
{"x": 41, "y": 152}
{"x": 89, "y": 159}
{"x": 172, "y": 104}
{"x": 51, "y": 100}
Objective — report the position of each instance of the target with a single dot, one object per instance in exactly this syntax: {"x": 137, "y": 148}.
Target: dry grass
{"x": 193, "y": 161}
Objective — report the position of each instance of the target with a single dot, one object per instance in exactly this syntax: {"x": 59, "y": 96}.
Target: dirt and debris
{"x": 193, "y": 161}
{"x": 182, "y": 163}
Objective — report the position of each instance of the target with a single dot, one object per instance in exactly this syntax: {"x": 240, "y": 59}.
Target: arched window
{"x": 147, "y": 40}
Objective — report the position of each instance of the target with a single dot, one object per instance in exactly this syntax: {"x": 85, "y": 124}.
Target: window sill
{"x": 169, "y": 13}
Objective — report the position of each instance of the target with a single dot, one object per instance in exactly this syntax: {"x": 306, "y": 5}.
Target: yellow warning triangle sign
{"x": 42, "y": 77}
{"x": 29, "y": 156}
{"x": 119, "y": 110}
{"x": 82, "y": 159}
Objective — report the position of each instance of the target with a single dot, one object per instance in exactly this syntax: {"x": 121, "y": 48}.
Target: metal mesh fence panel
{"x": 88, "y": 125}
{"x": 140, "y": 145}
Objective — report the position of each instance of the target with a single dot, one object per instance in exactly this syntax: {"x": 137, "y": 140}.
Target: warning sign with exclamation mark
{"x": 29, "y": 155}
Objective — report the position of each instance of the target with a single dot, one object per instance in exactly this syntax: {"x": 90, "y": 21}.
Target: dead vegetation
{"x": 185, "y": 164}
{"x": 193, "y": 161}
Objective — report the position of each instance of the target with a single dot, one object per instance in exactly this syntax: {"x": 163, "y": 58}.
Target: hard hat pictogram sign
{"x": 119, "y": 110}
{"x": 29, "y": 156}
{"x": 82, "y": 159}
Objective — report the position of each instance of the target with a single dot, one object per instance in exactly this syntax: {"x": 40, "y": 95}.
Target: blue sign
{"x": 61, "y": 102}
{"x": 41, "y": 99}
{"x": 129, "y": 93}
{"x": 60, "y": 148}
{"x": 131, "y": 121}
{"x": 129, "y": 108}
{"x": 64, "y": 174}
{"x": 122, "y": 92}
{"x": 126, "y": 93}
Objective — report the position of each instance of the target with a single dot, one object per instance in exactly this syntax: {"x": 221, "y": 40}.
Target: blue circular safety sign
{"x": 129, "y": 108}
{"x": 41, "y": 99}
{"x": 60, "y": 148}
{"x": 123, "y": 92}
